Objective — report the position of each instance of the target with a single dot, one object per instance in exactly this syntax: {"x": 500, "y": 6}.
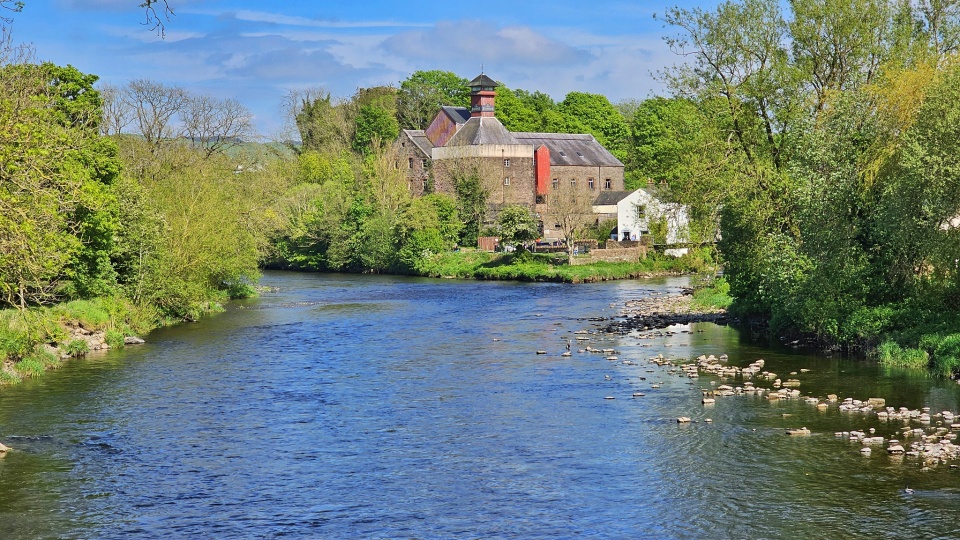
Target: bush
{"x": 946, "y": 357}
{"x": 114, "y": 339}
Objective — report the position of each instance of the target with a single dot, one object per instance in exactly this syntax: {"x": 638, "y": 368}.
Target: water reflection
{"x": 361, "y": 406}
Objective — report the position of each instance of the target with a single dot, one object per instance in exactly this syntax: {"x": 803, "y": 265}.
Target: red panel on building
{"x": 542, "y": 158}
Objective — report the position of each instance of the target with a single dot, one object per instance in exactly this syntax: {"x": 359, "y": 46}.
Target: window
{"x": 424, "y": 184}
{"x": 506, "y": 181}
{"x": 607, "y": 183}
{"x": 590, "y": 182}
{"x": 396, "y": 164}
{"x": 579, "y": 154}
{"x": 409, "y": 163}
{"x": 562, "y": 153}
{"x": 641, "y": 210}
{"x": 506, "y": 163}
{"x": 573, "y": 182}
{"x": 423, "y": 163}
{"x": 556, "y": 183}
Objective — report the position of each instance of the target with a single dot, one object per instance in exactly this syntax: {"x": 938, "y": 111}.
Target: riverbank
{"x": 659, "y": 311}
{"x": 35, "y": 340}
{"x": 527, "y": 266}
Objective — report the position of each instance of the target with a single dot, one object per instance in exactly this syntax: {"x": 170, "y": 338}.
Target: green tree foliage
{"x": 516, "y": 224}
{"x": 599, "y": 118}
{"x": 375, "y": 128}
{"x": 57, "y": 215}
{"x": 421, "y": 95}
{"x": 829, "y": 132}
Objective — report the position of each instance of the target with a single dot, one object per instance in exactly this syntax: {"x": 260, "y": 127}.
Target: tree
{"x": 600, "y": 118}
{"x": 571, "y": 209}
{"x": 375, "y": 128}
{"x": 422, "y": 94}
{"x": 325, "y": 124}
{"x": 57, "y": 214}
{"x": 213, "y": 125}
{"x": 515, "y": 224}
{"x": 154, "y": 105}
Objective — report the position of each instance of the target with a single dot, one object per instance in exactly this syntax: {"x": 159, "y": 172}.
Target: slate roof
{"x": 420, "y": 139}
{"x": 611, "y": 198}
{"x": 459, "y": 114}
{"x": 482, "y": 130}
{"x": 571, "y": 149}
{"x": 483, "y": 80}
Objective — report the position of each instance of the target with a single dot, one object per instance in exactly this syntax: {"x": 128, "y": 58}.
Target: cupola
{"x": 482, "y": 93}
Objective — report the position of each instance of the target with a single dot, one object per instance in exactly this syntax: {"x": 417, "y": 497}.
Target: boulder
{"x": 801, "y": 431}
{"x": 133, "y": 340}
{"x": 4, "y": 449}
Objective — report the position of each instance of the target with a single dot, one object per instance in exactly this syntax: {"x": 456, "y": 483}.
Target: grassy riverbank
{"x": 35, "y": 340}
{"x": 526, "y": 266}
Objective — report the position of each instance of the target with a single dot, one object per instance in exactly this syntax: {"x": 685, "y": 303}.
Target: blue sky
{"x": 257, "y": 51}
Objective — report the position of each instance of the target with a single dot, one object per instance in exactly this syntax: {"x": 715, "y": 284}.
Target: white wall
{"x": 630, "y": 220}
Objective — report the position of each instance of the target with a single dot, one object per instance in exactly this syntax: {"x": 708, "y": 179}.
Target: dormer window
{"x": 562, "y": 153}
{"x": 579, "y": 154}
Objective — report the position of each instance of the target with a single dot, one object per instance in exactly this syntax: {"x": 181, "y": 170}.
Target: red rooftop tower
{"x": 482, "y": 92}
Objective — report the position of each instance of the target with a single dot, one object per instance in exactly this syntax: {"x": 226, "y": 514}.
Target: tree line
{"x": 822, "y": 134}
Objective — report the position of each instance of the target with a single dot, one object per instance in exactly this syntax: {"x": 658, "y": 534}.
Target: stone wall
{"x": 633, "y": 254}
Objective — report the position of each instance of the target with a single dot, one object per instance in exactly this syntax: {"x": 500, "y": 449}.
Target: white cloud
{"x": 481, "y": 41}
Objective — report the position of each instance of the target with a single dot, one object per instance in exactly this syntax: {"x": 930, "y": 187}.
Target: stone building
{"x": 516, "y": 168}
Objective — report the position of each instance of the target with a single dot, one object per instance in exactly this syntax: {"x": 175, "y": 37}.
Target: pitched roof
{"x": 459, "y": 115}
{"x": 610, "y": 198}
{"x": 482, "y": 80}
{"x": 482, "y": 130}
{"x": 420, "y": 139}
{"x": 571, "y": 149}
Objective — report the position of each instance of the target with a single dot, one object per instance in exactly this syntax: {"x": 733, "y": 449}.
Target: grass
{"x": 713, "y": 294}
{"x": 526, "y": 266}
{"x": 77, "y": 347}
{"x": 890, "y": 354}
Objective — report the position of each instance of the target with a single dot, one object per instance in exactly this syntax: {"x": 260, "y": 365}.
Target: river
{"x": 343, "y": 406}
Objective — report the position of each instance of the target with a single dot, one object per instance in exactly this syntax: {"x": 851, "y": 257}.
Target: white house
{"x": 636, "y": 210}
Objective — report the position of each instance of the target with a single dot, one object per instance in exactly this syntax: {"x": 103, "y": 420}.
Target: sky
{"x": 257, "y": 51}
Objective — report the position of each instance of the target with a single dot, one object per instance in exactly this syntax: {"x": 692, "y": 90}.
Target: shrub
{"x": 946, "y": 357}
{"x": 114, "y": 338}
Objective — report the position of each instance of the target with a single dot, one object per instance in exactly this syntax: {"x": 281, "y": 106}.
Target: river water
{"x": 380, "y": 407}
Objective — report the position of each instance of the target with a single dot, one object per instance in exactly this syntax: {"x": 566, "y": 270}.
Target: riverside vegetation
{"x": 826, "y": 155}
